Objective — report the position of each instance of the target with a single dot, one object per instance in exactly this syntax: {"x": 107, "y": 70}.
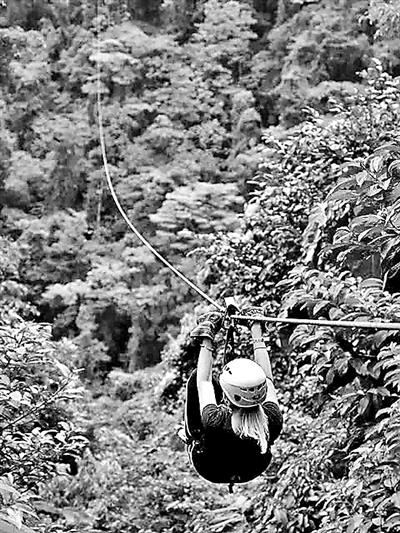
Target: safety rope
{"x": 191, "y": 284}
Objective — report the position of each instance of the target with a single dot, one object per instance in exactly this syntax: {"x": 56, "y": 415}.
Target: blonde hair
{"x": 252, "y": 422}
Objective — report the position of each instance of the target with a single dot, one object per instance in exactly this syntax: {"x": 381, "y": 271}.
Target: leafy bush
{"x": 36, "y": 433}
{"x": 386, "y": 15}
{"x": 299, "y": 167}
{"x": 123, "y": 386}
{"x": 367, "y": 196}
{"x": 183, "y": 116}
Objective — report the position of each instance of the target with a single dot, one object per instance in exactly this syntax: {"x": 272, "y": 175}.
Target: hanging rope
{"x": 182, "y": 277}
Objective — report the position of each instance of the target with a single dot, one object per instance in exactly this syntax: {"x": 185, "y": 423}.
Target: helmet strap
{"x": 226, "y": 401}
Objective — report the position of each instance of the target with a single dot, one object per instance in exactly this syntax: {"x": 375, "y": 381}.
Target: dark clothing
{"x": 217, "y": 453}
{"x": 219, "y": 416}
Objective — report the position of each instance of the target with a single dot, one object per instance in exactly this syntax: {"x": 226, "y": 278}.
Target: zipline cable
{"x": 146, "y": 243}
{"x": 125, "y": 216}
{"x": 317, "y": 322}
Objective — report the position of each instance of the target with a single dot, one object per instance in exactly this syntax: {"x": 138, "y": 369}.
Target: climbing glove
{"x": 208, "y": 325}
{"x": 252, "y": 311}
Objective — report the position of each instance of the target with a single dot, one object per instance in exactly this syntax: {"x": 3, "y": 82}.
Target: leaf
{"x": 335, "y": 313}
{"x": 394, "y": 166}
{"x": 16, "y": 397}
{"x": 364, "y": 406}
{"x": 393, "y": 378}
{"x": 359, "y": 365}
{"x": 7, "y": 527}
{"x": 369, "y": 232}
{"x": 5, "y": 487}
{"x": 365, "y": 220}
{"x": 396, "y": 499}
{"x": 339, "y": 186}
{"x": 361, "y": 178}
{"x": 65, "y": 371}
{"x": 384, "y": 412}
{"x": 393, "y": 521}
{"x": 374, "y": 190}
{"x": 351, "y": 166}
{"x": 319, "y": 306}
{"x": 341, "y": 195}
{"x": 281, "y": 516}
{"x": 376, "y": 163}
{"x": 354, "y": 524}
{"x": 15, "y": 517}
{"x": 381, "y": 336}
{"x": 4, "y": 380}
{"x": 387, "y": 148}
{"x": 395, "y": 193}
{"x": 391, "y": 244}
{"x": 371, "y": 283}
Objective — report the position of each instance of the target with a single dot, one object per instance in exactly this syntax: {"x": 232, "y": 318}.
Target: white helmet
{"x": 244, "y": 382}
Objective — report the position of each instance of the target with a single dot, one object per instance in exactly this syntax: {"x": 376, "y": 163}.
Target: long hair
{"x": 252, "y": 422}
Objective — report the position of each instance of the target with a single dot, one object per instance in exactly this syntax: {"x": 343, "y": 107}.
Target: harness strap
{"x": 231, "y": 310}
{"x": 229, "y": 350}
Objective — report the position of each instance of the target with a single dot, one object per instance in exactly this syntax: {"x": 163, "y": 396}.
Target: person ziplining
{"x": 231, "y": 423}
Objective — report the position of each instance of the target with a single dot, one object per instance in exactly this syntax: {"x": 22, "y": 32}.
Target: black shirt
{"x": 220, "y": 416}
{"x": 221, "y": 456}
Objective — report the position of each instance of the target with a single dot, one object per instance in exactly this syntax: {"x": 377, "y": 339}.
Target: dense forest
{"x": 256, "y": 144}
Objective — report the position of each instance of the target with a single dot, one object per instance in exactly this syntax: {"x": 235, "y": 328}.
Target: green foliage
{"x": 123, "y": 386}
{"x": 53, "y": 248}
{"x": 386, "y": 15}
{"x": 36, "y": 392}
{"x": 36, "y": 434}
{"x": 368, "y": 244}
{"x": 182, "y": 116}
{"x": 308, "y": 47}
{"x": 225, "y": 34}
{"x": 13, "y": 293}
{"x": 197, "y": 209}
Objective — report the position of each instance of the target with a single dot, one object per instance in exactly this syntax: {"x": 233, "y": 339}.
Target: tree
{"x": 37, "y": 434}
{"x": 192, "y": 210}
{"x": 225, "y": 35}
{"x": 386, "y": 15}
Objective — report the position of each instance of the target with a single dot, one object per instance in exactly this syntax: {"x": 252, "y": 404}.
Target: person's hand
{"x": 252, "y": 322}
{"x": 208, "y": 325}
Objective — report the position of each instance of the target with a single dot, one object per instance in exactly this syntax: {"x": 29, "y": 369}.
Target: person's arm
{"x": 205, "y": 386}
{"x": 262, "y": 358}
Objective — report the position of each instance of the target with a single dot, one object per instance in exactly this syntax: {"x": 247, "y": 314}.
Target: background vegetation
{"x": 256, "y": 144}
